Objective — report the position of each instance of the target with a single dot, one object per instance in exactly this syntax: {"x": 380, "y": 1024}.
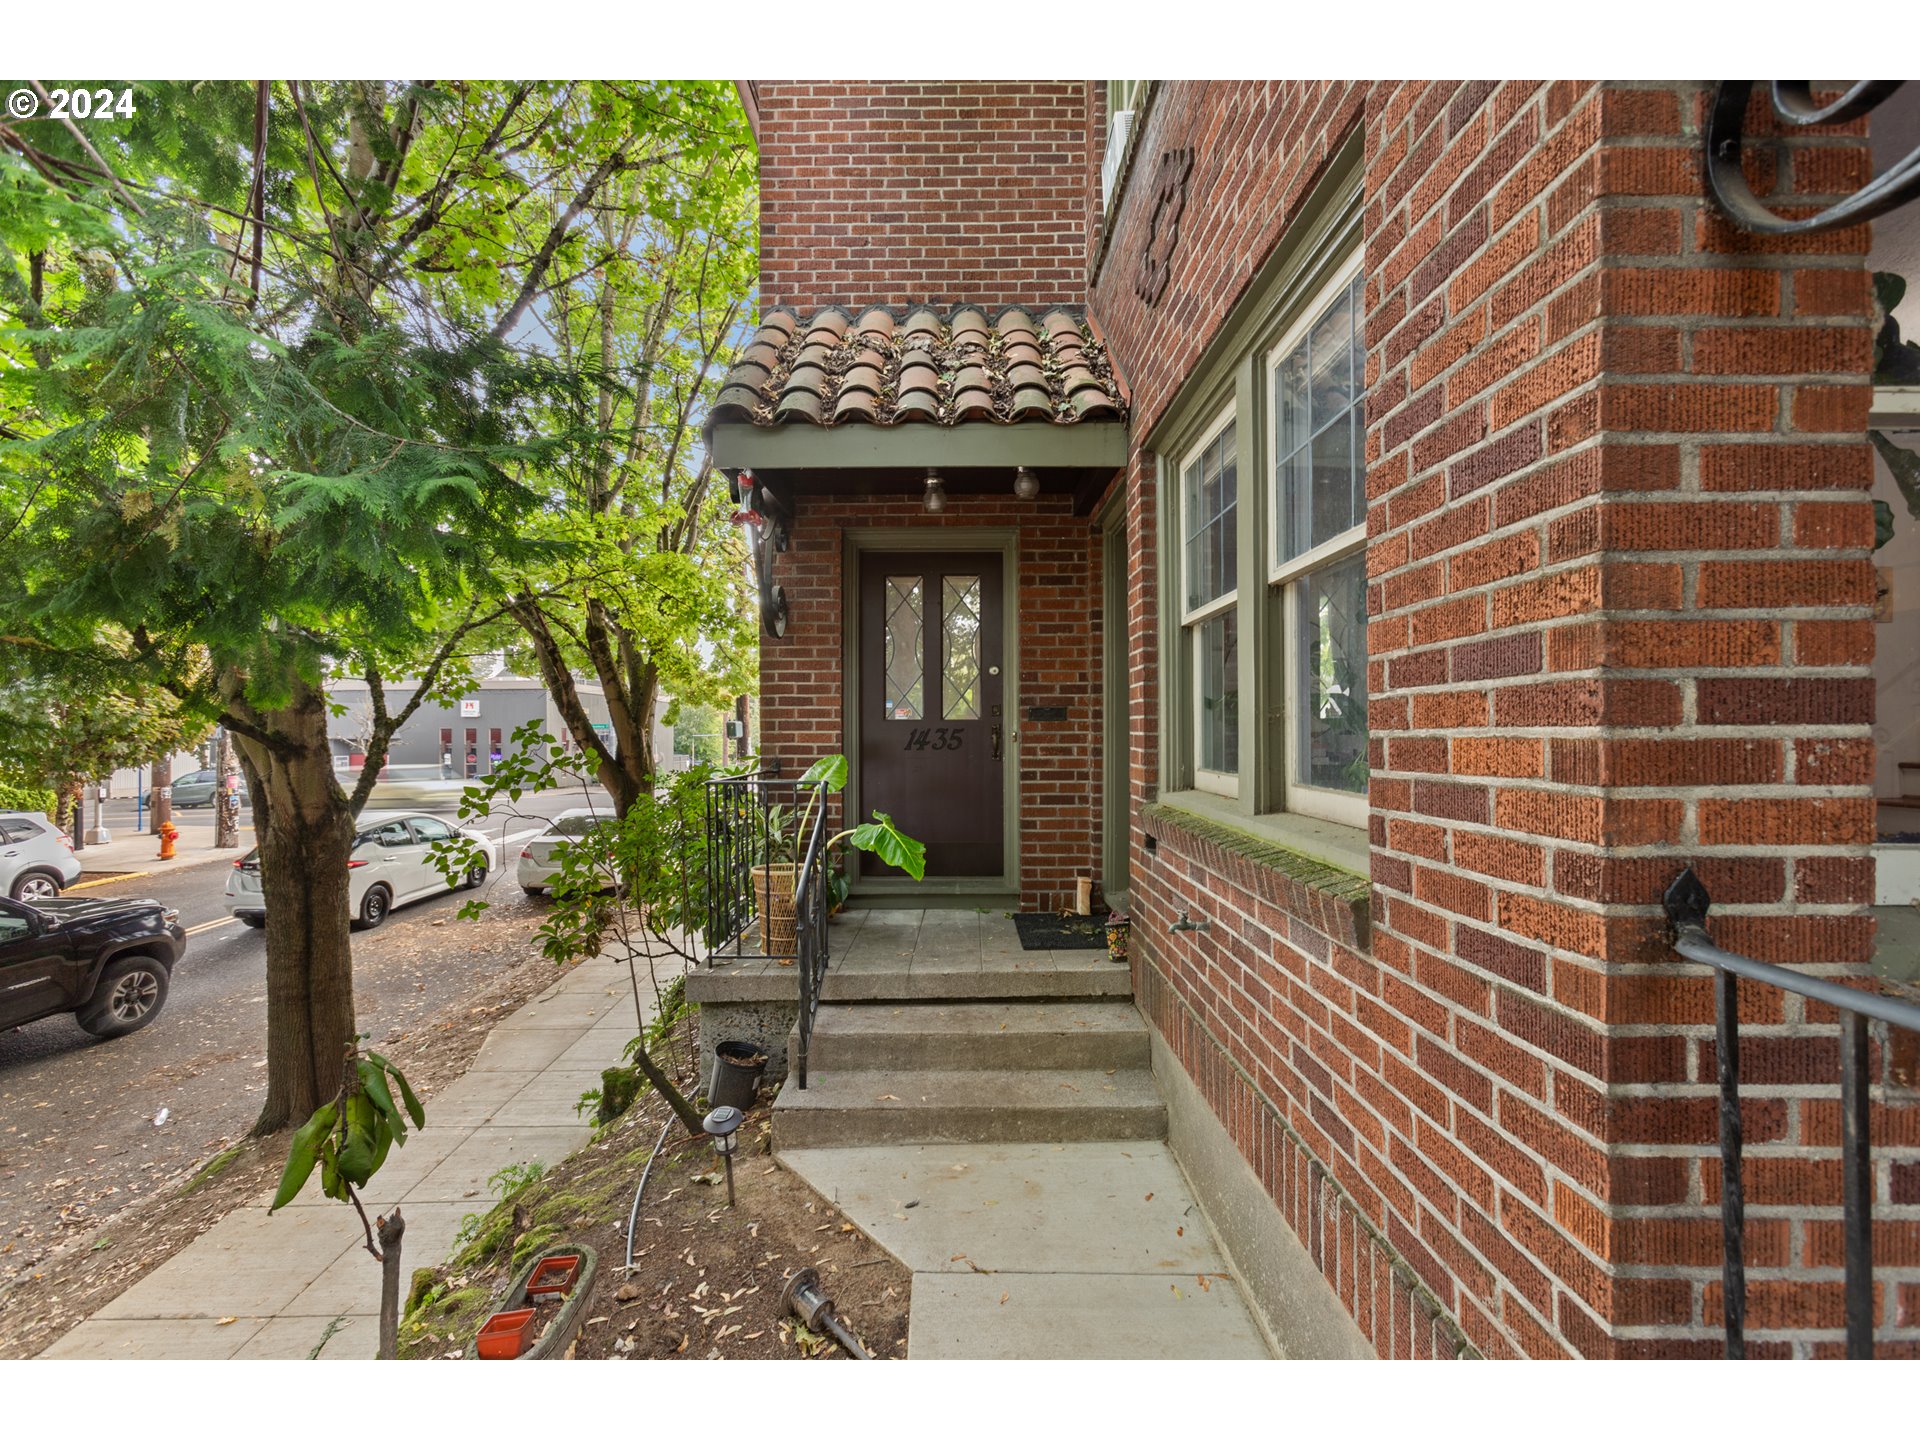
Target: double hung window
{"x": 1272, "y": 615}
{"x": 1318, "y": 548}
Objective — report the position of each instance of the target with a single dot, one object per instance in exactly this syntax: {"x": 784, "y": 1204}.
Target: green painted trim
{"x": 1116, "y": 710}
{"x": 1088, "y": 444}
{"x": 1345, "y": 885}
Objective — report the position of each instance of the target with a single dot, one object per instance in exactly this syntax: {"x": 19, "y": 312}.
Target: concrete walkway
{"x": 283, "y": 1286}
{"x": 1043, "y": 1252}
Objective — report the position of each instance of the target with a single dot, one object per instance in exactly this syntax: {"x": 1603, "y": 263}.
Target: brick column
{"x": 1620, "y": 548}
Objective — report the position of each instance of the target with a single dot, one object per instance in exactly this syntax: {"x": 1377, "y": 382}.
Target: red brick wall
{"x": 1619, "y": 539}
{"x": 1059, "y": 626}
{"x": 881, "y": 192}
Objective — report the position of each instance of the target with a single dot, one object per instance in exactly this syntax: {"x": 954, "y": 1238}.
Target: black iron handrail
{"x": 810, "y": 907}
{"x": 1687, "y": 903}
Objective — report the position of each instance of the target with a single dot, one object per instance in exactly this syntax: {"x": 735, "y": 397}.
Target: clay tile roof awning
{"x": 920, "y": 367}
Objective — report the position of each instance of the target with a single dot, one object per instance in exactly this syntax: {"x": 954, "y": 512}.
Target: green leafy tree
{"x": 271, "y": 392}
{"x": 62, "y": 726}
{"x": 649, "y": 593}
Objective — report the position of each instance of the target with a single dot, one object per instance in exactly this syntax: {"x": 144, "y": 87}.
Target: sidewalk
{"x": 285, "y": 1286}
{"x": 132, "y": 852}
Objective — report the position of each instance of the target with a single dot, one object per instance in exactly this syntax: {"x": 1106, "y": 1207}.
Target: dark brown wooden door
{"x": 933, "y": 735}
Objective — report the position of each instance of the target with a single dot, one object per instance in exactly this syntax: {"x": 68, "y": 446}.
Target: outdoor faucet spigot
{"x": 1184, "y": 924}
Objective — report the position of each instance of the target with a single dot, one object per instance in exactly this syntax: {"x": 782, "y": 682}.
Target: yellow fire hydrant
{"x": 168, "y": 834}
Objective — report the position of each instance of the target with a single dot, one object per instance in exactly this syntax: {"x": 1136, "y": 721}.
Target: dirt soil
{"x": 706, "y": 1280}
{"x": 71, "y": 1281}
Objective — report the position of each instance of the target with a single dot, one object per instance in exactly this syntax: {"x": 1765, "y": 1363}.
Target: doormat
{"x": 1061, "y": 932}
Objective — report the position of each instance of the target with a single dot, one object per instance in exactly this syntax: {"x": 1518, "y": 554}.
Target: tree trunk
{"x": 226, "y": 815}
{"x": 390, "y": 1228}
{"x": 306, "y": 838}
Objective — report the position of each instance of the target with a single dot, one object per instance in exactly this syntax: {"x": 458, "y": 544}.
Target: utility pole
{"x": 226, "y": 807}
{"x": 160, "y": 792}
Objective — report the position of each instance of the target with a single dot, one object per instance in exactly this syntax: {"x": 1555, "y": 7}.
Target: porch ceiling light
{"x": 936, "y": 497}
{"x": 1026, "y": 484}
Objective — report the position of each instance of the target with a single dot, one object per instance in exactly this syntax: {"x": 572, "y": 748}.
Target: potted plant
{"x": 775, "y": 878}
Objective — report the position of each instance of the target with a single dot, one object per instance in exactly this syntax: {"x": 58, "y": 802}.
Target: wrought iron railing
{"x": 810, "y": 908}
{"x": 1687, "y": 903}
{"x": 758, "y": 828}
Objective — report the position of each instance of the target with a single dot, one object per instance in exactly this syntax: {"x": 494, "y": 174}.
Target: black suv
{"x": 105, "y": 962}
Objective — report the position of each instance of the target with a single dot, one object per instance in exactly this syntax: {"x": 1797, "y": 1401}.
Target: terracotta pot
{"x": 553, "y": 1276}
{"x": 505, "y": 1334}
{"x": 773, "y": 905}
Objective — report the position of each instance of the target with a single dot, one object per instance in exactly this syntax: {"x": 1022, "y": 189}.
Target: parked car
{"x": 105, "y": 962}
{"x": 198, "y": 788}
{"x": 391, "y": 865}
{"x": 540, "y": 862}
{"x": 36, "y": 857}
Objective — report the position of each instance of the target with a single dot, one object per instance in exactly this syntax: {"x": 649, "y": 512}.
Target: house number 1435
{"x": 940, "y": 738}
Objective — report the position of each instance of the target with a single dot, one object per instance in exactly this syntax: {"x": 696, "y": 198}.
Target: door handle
{"x": 996, "y": 742}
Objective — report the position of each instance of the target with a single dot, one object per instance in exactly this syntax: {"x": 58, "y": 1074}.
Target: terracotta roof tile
{"x": 890, "y": 367}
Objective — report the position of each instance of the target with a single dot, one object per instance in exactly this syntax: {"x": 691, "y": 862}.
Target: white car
{"x": 541, "y": 860}
{"x": 36, "y": 857}
{"x": 391, "y": 865}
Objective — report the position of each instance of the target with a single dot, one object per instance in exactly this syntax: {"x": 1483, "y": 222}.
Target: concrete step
{"x": 883, "y": 1107}
{"x": 1026, "y": 1035}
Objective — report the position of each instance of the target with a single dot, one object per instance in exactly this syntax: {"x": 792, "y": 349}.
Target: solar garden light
{"x": 1026, "y": 484}
{"x": 721, "y": 1122}
{"x": 936, "y": 497}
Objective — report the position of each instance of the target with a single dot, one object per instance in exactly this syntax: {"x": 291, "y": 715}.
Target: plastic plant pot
{"x": 553, "y": 1277}
{"x": 1117, "y": 927}
{"x": 505, "y": 1335}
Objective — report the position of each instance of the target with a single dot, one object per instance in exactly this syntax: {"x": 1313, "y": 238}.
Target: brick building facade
{"x": 1602, "y": 589}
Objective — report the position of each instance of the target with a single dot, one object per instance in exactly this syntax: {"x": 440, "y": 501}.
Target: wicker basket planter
{"x": 773, "y": 905}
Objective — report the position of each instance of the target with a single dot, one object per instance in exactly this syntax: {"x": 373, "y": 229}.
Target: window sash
{"x": 1213, "y": 522}
{"x": 1343, "y": 807}
{"x": 1286, "y": 501}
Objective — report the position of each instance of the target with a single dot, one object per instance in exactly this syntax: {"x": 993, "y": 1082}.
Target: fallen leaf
{"x": 226, "y": 1320}
{"x": 1003, "y": 1296}
{"x": 1205, "y": 1284}
{"x": 1149, "y": 1194}
{"x": 886, "y": 1097}
{"x": 1179, "y": 1230}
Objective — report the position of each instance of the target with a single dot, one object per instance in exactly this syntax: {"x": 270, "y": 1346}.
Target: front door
{"x": 932, "y": 732}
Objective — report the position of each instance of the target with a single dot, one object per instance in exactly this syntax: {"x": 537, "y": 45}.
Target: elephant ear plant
{"x": 878, "y": 836}
{"x": 348, "y": 1139}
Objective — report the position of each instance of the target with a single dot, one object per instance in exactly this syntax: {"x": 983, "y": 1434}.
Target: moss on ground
{"x": 594, "y": 1187}
{"x": 214, "y": 1166}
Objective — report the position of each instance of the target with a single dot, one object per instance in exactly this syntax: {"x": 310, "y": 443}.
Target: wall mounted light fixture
{"x": 936, "y": 496}
{"x": 1026, "y": 484}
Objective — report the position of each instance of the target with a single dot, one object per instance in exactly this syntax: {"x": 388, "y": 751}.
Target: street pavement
{"x": 87, "y": 1126}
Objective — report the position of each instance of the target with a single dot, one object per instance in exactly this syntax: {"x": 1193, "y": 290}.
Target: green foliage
{"x": 348, "y": 1137}
{"x": 509, "y": 1180}
{"x": 788, "y": 826}
{"x": 228, "y": 478}
{"x": 26, "y": 797}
